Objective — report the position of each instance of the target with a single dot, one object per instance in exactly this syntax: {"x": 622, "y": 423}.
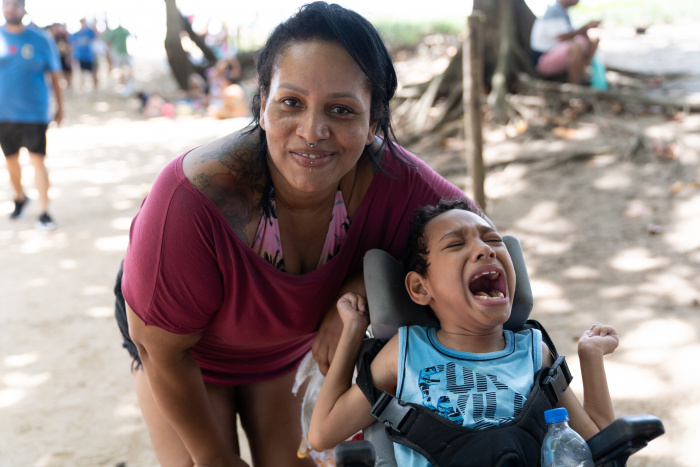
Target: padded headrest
{"x": 390, "y": 306}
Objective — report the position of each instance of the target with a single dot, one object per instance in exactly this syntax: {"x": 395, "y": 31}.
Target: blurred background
{"x": 603, "y": 191}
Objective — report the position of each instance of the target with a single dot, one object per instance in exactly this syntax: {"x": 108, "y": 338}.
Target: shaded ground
{"x": 607, "y": 236}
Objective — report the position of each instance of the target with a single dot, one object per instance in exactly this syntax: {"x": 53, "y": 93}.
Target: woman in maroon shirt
{"x": 216, "y": 330}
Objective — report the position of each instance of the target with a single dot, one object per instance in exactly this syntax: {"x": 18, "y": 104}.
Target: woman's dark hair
{"x": 332, "y": 22}
{"x": 416, "y": 253}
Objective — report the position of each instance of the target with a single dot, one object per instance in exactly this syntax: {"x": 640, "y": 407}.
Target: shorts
{"x": 556, "y": 60}
{"x": 120, "y": 60}
{"x": 66, "y": 64}
{"x": 87, "y": 65}
{"x": 120, "y": 314}
{"x": 16, "y": 135}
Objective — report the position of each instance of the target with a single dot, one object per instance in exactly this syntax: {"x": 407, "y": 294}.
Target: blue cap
{"x": 556, "y": 415}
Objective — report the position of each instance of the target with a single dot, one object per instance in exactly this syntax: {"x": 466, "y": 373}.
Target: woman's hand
{"x": 598, "y": 338}
{"x": 326, "y": 340}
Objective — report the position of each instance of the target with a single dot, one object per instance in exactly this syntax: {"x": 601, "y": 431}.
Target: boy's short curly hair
{"x": 416, "y": 253}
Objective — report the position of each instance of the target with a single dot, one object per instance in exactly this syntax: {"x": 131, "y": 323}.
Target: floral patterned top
{"x": 267, "y": 241}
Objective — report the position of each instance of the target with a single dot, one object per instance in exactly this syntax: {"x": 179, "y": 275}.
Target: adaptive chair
{"x": 391, "y": 307}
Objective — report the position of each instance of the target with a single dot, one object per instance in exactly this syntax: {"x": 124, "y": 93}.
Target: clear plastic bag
{"x": 308, "y": 369}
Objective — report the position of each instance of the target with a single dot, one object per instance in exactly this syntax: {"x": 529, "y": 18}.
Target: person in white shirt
{"x": 558, "y": 47}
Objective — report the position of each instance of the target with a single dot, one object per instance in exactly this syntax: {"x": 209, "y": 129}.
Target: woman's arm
{"x": 341, "y": 410}
{"x": 178, "y": 389}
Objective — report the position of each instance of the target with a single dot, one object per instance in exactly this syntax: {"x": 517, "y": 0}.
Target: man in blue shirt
{"x": 26, "y": 56}
{"x": 84, "y": 50}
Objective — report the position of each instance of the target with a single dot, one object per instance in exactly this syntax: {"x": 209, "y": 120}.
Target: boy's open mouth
{"x": 488, "y": 284}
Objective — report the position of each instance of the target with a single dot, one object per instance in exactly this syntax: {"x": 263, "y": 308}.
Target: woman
{"x": 243, "y": 246}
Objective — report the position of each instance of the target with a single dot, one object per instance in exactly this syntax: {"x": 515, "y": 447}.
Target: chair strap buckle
{"x": 389, "y": 410}
{"x": 557, "y": 379}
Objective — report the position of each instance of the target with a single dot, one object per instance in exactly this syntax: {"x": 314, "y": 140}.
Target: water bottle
{"x": 598, "y": 79}
{"x": 562, "y": 446}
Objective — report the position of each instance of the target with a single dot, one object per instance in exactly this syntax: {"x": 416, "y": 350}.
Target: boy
{"x": 460, "y": 267}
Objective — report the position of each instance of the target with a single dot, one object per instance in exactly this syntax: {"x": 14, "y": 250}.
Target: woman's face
{"x": 318, "y": 95}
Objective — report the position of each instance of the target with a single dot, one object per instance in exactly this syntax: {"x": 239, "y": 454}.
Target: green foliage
{"x": 637, "y": 12}
{"x": 403, "y": 34}
{"x": 397, "y": 33}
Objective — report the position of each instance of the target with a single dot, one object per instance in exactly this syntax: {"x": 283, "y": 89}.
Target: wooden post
{"x": 473, "y": 67}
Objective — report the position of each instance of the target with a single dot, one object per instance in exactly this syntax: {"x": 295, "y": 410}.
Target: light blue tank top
{"x": 475, "y": 390}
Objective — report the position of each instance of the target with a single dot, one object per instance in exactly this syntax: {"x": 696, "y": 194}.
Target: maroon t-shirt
{"x": 187, "y": 271}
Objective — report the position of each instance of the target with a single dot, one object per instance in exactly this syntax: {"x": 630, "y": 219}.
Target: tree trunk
{"x": 517, "y": 34}
{"x": 523, "y": 18}
{"x": 505, "y": 52}
{"x": 472, "y": 66}
{"x": 506, "y": 39}
{"x": 180, "y": 63}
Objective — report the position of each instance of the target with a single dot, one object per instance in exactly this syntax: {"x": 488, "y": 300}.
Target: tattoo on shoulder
{"x": 237, "y": 202}
{"x": 239, "y": 154}
{"x": 236, "y": 186}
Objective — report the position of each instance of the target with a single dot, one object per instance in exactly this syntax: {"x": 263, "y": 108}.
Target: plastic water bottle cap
{"x": 556, "y": 415}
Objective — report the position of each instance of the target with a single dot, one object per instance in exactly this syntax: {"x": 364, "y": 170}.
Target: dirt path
{"x": 66, "y": 397}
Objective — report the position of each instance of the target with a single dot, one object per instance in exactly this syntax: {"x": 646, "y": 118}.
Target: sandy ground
{"x": 583, "y": 211}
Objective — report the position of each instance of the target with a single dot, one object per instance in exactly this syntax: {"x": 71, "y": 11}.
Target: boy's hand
{"x": 353, "y": 312}
{"x": 600, "y": 337}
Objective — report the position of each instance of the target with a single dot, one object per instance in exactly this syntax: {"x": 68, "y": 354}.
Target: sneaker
{"x": 45, "y": 223}
{"x": 18, "y": 213}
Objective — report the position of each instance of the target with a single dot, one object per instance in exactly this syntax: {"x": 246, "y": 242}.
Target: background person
{"x": 240, "y": 251}
{"x": 116, "y": 40}
{"x": 228, "y": 97}
{"x": 65, "y": 51}
{"x": 558, "y": 47}
{"x": 84, "y": 51}
{"x": 26, "y": 56}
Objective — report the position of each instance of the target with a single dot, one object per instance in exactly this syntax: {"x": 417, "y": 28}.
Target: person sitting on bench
{"x": 459, "y": 266}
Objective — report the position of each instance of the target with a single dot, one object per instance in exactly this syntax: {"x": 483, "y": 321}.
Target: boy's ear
{"x": 415, "y": 284}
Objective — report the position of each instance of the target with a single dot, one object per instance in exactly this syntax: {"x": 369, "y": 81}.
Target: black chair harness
{"x": 444, "y": 443}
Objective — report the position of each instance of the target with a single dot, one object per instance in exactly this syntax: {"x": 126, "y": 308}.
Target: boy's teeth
{"x": 496, "y": 295}
{"x": 493, "y": 275}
